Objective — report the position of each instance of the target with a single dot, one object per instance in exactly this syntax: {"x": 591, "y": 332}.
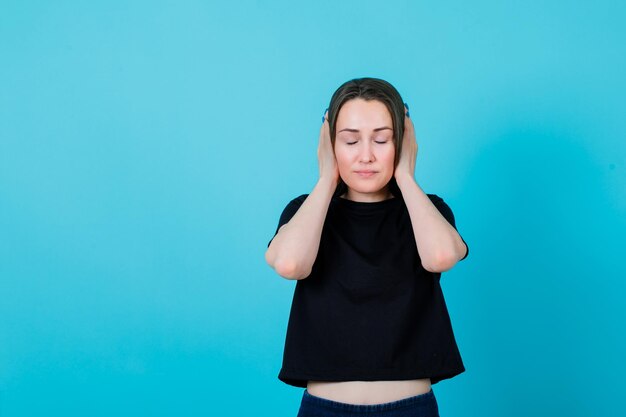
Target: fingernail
{"x": 407, "y": 106}
{"x": 407, "y": 114}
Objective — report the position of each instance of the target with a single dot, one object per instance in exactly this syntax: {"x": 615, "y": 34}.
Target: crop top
{"x": 369, "y": 310}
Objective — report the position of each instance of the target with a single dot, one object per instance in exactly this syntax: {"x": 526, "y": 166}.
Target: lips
{"x": 365, "y": 173}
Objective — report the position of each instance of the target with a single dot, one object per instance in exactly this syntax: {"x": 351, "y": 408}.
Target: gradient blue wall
{"x": 148, "y": 148}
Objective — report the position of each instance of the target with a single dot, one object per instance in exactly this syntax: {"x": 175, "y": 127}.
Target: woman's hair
{"x": 369, "y": 89}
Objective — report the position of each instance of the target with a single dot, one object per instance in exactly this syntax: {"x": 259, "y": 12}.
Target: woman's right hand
{"x": 326, "y": 154}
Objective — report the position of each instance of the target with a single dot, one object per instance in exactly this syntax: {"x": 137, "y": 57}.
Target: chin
{"x": 367, "y": 189}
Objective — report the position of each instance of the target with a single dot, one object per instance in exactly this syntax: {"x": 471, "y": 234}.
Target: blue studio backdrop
{"x": 147, "y": 149}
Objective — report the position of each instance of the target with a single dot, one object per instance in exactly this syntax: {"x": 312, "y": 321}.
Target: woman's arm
{"x": 439, "y": 245}
{"x": 294, "y": 249}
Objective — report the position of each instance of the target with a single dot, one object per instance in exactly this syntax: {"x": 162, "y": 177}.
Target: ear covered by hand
{"x": 325, "y": 154}
{"x": 408, "y": 156}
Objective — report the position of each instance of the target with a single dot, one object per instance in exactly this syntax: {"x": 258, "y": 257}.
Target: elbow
{"x": 290, "y": 269}
{"x": 445, "y": 260}
{"x": 287, "y": 268}
{"x": 440, "y": 263}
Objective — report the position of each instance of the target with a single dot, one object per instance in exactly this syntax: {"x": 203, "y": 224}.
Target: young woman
{"x": 369, "y": 329}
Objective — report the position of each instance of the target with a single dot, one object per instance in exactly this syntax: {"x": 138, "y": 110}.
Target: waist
{"x": 368, "y": 392}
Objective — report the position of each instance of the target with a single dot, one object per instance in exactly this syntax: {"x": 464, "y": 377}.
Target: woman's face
{"x": 364, "y": 149}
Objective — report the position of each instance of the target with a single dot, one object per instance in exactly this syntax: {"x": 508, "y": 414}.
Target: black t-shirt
{"x": 369, "y": 310}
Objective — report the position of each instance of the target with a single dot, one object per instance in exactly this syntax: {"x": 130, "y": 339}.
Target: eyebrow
{"x": 357, "y": 130}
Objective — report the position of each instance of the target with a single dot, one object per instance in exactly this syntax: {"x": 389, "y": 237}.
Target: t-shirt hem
{"x": 300, "y": 378}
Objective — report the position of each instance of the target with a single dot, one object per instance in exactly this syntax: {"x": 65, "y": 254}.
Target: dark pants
{"x": 423, "y": 405}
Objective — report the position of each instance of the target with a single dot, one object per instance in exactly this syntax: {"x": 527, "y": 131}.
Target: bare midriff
{"x": 368, "y": 392}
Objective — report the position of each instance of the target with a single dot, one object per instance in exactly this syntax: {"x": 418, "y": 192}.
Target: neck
{"x": 368, "y": 197}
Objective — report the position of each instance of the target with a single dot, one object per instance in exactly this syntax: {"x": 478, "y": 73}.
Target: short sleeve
{"x": 292, "y": 207}
{"x": 446, "y": 212}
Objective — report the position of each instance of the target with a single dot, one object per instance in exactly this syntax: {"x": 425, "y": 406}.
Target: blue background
{"x": 148, "y": 148}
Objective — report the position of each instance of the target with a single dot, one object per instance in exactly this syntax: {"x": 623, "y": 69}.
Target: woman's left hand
{"x": 408, "y": 155}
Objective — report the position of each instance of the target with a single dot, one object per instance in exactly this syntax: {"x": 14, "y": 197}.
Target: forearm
{"x": 294, "y": 249}
{"x": 439, "y": 245}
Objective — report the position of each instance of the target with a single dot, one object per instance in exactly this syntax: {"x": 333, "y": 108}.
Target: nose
{"x": 366, "y": 154}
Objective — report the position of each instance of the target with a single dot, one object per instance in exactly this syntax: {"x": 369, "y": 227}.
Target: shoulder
{"x": 301, "y": 197}
{"x": 294, "y": 204}
{"x": 438, "y": 201}
{"x": 434, "y": 198}
{"x": 443, "y": 208}
{"x": 297, "y": 201}
{"x": 290, "y": 210}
